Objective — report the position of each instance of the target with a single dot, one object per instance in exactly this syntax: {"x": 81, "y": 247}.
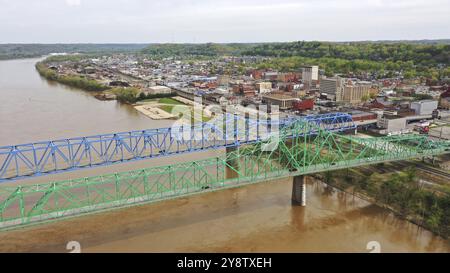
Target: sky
{"x": 220, "y": 21}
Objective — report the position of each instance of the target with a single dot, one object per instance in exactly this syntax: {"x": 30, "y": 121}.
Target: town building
{"x": 353, "y": 92}
{"x": 264, "y": 87}
{"x": 159, "y": 90}
{"x": 363, "y": 116}
{"x": 424, "y": 107}
{"x": 303, "y": 105}
{"x": 310, "y": 76}
{"x": 329, "y": 86}
{"x": 256, "y": 74}
{"x": 247, "y": 90}
{"x": 270, "y": 75}
{"x": 310, "y": 73}
{"x": 391, "y": 124}
{"x": 223, "y": 80}
{"x": 283, "y": 101}
{"x": 444, "y": 101}
{"x": 289, "y": 77}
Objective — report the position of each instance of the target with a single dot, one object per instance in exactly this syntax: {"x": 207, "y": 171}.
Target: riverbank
{"x": 73, "y": 81}
{"x": 400, "y": 191}
{"x": 128, "y": 95}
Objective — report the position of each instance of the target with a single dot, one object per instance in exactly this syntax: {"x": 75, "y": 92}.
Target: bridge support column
{"x": 299, "y": 191}
{"x": 230, "y": 150}
{"x": 231, "y": 172}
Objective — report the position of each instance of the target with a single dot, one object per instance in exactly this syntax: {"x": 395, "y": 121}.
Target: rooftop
{"x": 280, "y": 97}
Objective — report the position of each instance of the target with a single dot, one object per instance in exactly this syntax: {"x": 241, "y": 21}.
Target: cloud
{"x": 221, "y": 20}
{"x": 73, "y": 3}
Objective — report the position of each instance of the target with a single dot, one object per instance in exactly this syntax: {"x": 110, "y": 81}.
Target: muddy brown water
{"x": 255, "y": 218}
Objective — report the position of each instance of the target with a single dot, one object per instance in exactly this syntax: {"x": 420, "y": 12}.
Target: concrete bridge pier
{"x": 230, "y": 173}
{"x": 230, "y": 150}
{"x": 299, "y": 191}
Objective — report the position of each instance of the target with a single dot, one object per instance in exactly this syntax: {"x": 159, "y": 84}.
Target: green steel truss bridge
{"x": 292, "y": 152}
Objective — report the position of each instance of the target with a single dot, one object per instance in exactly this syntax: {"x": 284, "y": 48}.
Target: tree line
{"x": 124, "y": 94}
{"x": 18, "y": 51}
{"x": 401, "y": 191}
{"x": 381, "y": 59}
{"x": 70, "y": 80}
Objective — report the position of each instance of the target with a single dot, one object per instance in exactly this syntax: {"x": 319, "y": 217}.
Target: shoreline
{"x": 70, "y": 80}
{"x": 364, "y": 195}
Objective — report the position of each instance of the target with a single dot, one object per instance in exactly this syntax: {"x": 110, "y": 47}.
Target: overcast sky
{"x": 152, "y": 21}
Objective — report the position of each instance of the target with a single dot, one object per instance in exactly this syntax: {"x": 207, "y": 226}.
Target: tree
{"x": 435, "y": 217}
{"x": 422, "y": 97}
{"x": 328, "y": 178}
{"x": 411, "y": 177}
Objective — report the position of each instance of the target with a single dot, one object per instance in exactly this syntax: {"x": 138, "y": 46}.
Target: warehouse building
{"x": 159, "y": 90}
{"x": 424, "y": 107}
{"x": 391, "y": 124}
{"x": 284, "y": 102}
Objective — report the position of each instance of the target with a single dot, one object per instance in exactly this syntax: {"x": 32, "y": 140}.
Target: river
{"x": 34, "y": 109}
{"x": 256, "y": 218}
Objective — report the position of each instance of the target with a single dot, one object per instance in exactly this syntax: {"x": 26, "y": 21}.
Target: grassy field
{"x": 164, "y": 101}
{"x": 170, "y": 101}
{"x": 168, "y": 108}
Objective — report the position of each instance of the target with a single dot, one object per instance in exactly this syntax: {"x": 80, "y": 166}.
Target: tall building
{"x": 329, "y": 87}
{"x": 310, "y": 73}
{"x": 352, "y": 92}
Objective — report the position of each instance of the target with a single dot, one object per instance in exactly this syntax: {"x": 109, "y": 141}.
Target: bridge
{"x": 49, "y": 157}
{"x": 298, "y": 147}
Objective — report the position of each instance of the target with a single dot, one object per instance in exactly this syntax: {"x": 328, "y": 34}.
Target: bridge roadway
{"x": 302, "y": 147}
{"x": 49, "y": 157}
